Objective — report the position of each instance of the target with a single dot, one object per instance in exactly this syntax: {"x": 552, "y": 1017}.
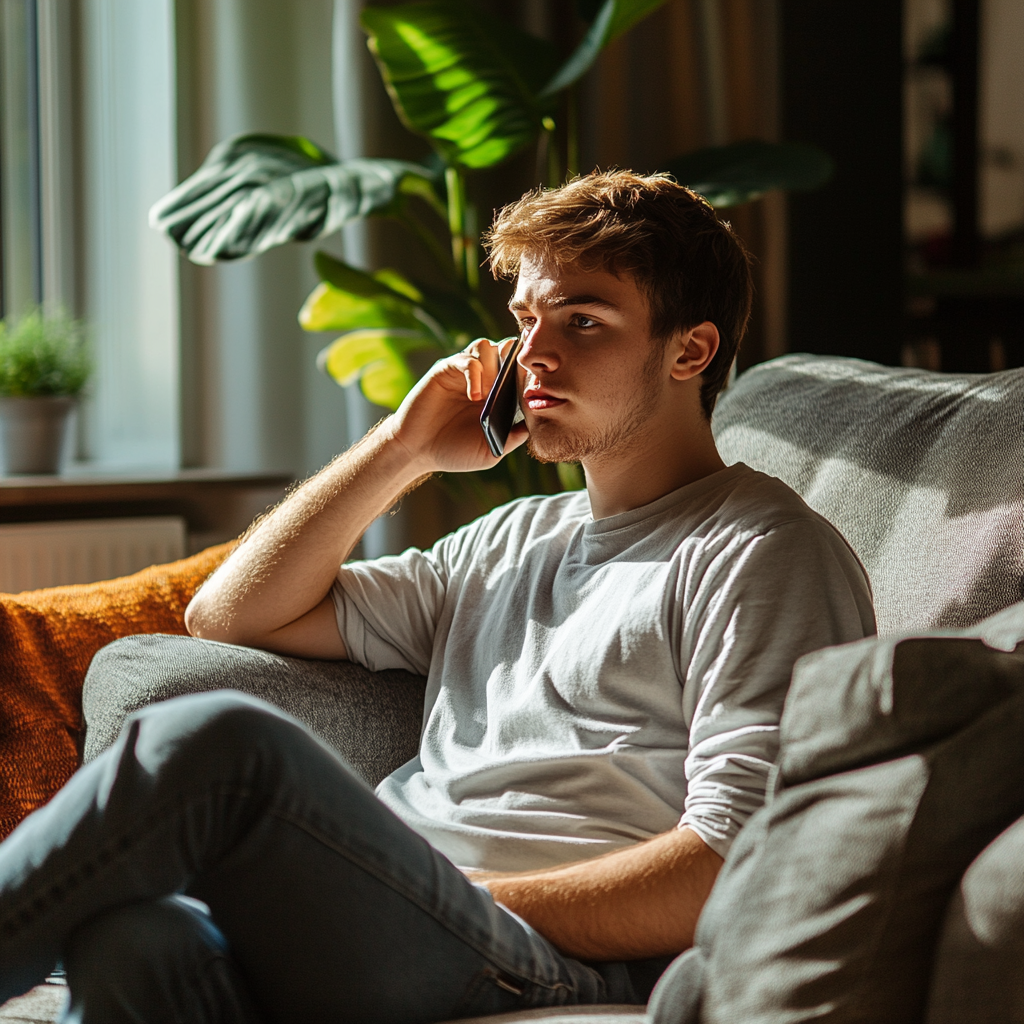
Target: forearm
{"x": 274, "y": 590}
{"x": 639, "y": 902}
{"x": 285, "y": 566}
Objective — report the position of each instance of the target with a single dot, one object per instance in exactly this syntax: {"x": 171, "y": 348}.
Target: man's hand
{"x": 274, "y": 590}
{"x": 439, "y": 421}
{"x": 639, "y": 902}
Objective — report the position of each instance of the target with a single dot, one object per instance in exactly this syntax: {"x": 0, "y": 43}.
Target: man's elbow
{"x": 195, "y": 618}
{"x": 204, "y": 620}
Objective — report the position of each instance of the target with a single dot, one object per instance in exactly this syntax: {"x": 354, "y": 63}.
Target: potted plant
{"x": 44, "y": 365}
{"x": 479, "y": 91}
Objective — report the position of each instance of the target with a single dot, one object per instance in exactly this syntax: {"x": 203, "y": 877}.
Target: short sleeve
{"x": 388, "y": 609}
{"x": 758, "y": 608}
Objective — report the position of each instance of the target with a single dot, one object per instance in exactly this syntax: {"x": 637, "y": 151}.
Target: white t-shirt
{"x": 595, "y": 683}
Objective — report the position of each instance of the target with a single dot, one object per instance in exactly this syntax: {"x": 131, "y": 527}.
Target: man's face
{"x": 592, "y": 376}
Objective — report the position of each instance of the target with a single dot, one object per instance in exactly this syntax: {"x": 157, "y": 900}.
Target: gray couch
{"x": 842, "y": 900}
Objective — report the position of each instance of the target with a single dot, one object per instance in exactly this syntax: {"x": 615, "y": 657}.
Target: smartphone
{"x": 501, "y": 410}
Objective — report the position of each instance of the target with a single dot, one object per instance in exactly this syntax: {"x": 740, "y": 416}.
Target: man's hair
{"x": 690, "y": 266}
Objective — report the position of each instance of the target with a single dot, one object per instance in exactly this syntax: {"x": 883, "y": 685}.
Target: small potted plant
{"x": 44, "y": 365}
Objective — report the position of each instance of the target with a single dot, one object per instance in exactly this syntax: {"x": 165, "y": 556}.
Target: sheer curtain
{"x": 128, "y": 274}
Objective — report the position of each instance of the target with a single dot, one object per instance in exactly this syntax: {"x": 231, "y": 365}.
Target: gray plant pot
{"x": 35, "y": 434}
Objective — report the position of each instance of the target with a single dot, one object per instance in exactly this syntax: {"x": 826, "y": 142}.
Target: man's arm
{"x": 638, "y": 902}
{"x": 274, "y": 592}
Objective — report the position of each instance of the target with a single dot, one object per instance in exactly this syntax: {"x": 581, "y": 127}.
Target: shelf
{"x": 215, "y": 505}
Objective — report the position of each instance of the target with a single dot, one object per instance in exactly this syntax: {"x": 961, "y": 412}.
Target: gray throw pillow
{"x": 901, "y": 759}
{"x": 977, "y": 977}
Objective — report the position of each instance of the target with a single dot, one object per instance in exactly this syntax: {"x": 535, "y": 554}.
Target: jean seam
{"x": 406, "y": 893}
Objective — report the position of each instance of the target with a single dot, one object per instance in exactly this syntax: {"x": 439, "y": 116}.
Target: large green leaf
{"x": 254, "y": 192}
{"x": 613, "y": 18}
{"x": 734, "y": 174}
{"x": 378, "y": 358}
{"x": 466, "y": 81}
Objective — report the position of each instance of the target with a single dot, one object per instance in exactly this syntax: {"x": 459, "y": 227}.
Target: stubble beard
{"x": 580, "y": 446}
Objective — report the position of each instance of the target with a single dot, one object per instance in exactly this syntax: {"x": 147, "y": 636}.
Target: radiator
{"x": 35, "y": 555}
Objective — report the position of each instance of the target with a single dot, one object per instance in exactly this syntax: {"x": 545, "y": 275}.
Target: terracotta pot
{"x": 35, "y": 434}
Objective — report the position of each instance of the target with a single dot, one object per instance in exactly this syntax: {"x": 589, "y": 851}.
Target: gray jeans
{"x": 315, "y": 901}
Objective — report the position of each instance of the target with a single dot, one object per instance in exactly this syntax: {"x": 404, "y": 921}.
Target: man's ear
{"x": 693, "y": 350}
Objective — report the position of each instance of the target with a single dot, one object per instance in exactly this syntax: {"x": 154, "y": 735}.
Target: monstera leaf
{"x": 613, "y": 19}
{"x": 734, "y": 174}
{"x": 466, "y": 81}
{"x": 378, "y": 359}
{"x": 254, "y": 192}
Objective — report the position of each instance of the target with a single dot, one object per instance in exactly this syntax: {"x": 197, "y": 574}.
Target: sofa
{"x": 884, "y": 879}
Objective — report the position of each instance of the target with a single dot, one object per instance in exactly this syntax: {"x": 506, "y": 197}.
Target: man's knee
{"x": 156, "y": 961}
{"x": 213, "y": 729}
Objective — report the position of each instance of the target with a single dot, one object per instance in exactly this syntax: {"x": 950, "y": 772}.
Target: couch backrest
{"x": 922, "y": 472}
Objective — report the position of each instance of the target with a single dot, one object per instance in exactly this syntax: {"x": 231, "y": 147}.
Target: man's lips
{"x": 539, "y": 399}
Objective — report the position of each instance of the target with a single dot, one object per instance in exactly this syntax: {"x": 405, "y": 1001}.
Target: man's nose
{"x": 539, "y": 351}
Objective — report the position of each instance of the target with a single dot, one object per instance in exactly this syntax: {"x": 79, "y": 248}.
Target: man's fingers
{"x": 481, "y": 367}
{"x": 474, "y": 379}
{"x": 504, "y": 345}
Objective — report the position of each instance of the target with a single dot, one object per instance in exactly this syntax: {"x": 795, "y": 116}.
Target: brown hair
{"x": 689, "y": 264}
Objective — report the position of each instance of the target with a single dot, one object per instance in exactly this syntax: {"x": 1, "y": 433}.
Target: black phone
{"x": 501, "y": 410}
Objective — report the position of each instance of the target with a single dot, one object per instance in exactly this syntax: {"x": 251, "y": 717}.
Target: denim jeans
{"x": 321, "y": 903}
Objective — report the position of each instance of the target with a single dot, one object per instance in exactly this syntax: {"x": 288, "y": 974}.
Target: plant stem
{"x": 432, "y": 245}
{"x": 543, "y": 143}
{"x": 456, "y": 216}
{"x": 488, "y": 321}
{"x": 470, "y": 247}
{"x": 572, "y": 133}
{"x": 554, "y": 162}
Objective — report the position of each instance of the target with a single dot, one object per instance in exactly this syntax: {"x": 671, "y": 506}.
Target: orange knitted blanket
{"x": 47, "y": 639}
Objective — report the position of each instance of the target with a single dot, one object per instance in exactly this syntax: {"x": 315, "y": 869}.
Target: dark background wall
{"x": 842, "y": 89}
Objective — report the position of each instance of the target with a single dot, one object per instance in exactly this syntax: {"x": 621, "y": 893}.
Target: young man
{"x": 606, "y": 671}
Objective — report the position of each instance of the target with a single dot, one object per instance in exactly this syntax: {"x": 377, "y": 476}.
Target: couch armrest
{"x": 371, "y": 718}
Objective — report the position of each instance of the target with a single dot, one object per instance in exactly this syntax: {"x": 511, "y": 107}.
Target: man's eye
{"x": 583, "y": 321}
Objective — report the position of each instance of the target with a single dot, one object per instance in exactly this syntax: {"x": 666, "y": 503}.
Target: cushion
{"x": 605, "y": 1014}
{"x": 901, "y": 759}
{"x": 48, "y": 638}
{"x": 977, "y": 977}
{"x": 46, "y": 1003}
{"x": 920, "y": 471}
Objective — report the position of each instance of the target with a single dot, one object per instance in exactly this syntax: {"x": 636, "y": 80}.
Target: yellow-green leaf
{"x": 450, "y": 315}
{"x": 377, "y": 358}
{"x": 331, "y": 309}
